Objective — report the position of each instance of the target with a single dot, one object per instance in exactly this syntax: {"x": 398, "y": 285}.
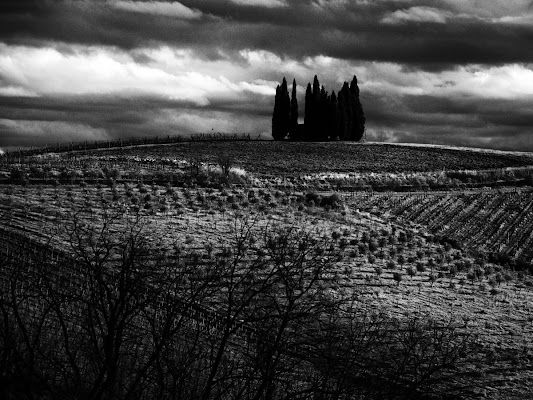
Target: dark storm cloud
{"x": 349, "y": 30}
{"x": 23, "y": 7}
{"x": 37, "y": 121}
{"x": 411, "y": 99}
{"x": 494, "y": 123}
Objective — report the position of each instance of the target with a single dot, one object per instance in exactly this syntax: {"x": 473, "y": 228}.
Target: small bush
{"x": 420, "y": 267}
{"x": 312, "y": 197}
{"x": 397, "y": 276}
{"x": 332, "y": 201}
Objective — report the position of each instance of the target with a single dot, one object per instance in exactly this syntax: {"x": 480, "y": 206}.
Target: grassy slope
{"x": 296, "y": 158}
{"x": 501, "y": 318}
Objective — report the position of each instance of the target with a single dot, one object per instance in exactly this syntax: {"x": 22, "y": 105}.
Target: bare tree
{"x": 373, "y": 355}
{"x": 225, "y": 162}
{"x": 121, "y": 315}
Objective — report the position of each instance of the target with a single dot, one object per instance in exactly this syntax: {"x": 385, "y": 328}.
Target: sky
{"x": 456, "y": 72}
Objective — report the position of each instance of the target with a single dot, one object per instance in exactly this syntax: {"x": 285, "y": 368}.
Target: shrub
{"x": 19, "y": 175}
{"x": 312, "y": 197}
{"x": 343, "y": 243}
{"x": 420, "y": 267}
{"x": 332, "y": 201}
{"x": 363, "y": 248}
{"x": 402, "y": 237}
{"x": 397, "y": 276}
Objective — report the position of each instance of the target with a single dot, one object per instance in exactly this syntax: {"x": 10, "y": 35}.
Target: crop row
{"x": 491, "y": 220}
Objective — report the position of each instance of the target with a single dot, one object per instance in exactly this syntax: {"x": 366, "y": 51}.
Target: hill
{"x": 441, "y": 245}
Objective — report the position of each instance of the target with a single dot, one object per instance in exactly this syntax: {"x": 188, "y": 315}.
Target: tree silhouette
{"x": 332, "y": 117}
{"x": 336, "y": 117}
{"x": 342, "y": 116}
{"x": 308, "y": 116}
{"x": 281, "y": 115}
{"x": 348, "y": 112}
{"x": 293, "y": 124}
{"x": 358, "y": 126}
{"x": 322, "y": 126}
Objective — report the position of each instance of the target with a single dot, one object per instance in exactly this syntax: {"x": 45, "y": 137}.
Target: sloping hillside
{"x": 426, "y": 256}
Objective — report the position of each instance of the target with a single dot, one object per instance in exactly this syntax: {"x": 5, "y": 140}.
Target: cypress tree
{"x": 293, "y": 124}
{"x": 322, "y": 133}
{"x": 315, "y": 109}
{"x": 358, "y": 126}
{"x": 308, "y": 113}
{"x": 341, "y": 116}
{"x": 346, "y": 113}
{"x": 349, "y": 111}
{"x": 316, "y": 86}
{"x": 281, "y": 115}
{"x": 332, "y": 120}
{"x": 285, "y": 108}
{"x": 276, "y": 124}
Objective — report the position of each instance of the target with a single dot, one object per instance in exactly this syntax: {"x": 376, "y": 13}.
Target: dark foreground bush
{"x": 331, "y": 201}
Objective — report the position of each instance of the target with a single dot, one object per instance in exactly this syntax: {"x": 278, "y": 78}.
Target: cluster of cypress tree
{"x": 327, "y": 117}
{"x": 281, "y": 118}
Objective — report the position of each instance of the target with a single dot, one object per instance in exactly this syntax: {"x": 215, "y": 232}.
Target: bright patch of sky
{"x": 261, "y": 3}
{"x": 174, "y": 75}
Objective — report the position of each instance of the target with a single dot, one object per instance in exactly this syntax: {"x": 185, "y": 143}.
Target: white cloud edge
{"x": 177, "y": 74}
{"x": 173, "y": 9}
{"x": 416, "y": 14}
{"x": 261, "y": 3}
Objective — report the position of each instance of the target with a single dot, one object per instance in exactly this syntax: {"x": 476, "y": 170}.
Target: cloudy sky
{"x": 434, "y": 71}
